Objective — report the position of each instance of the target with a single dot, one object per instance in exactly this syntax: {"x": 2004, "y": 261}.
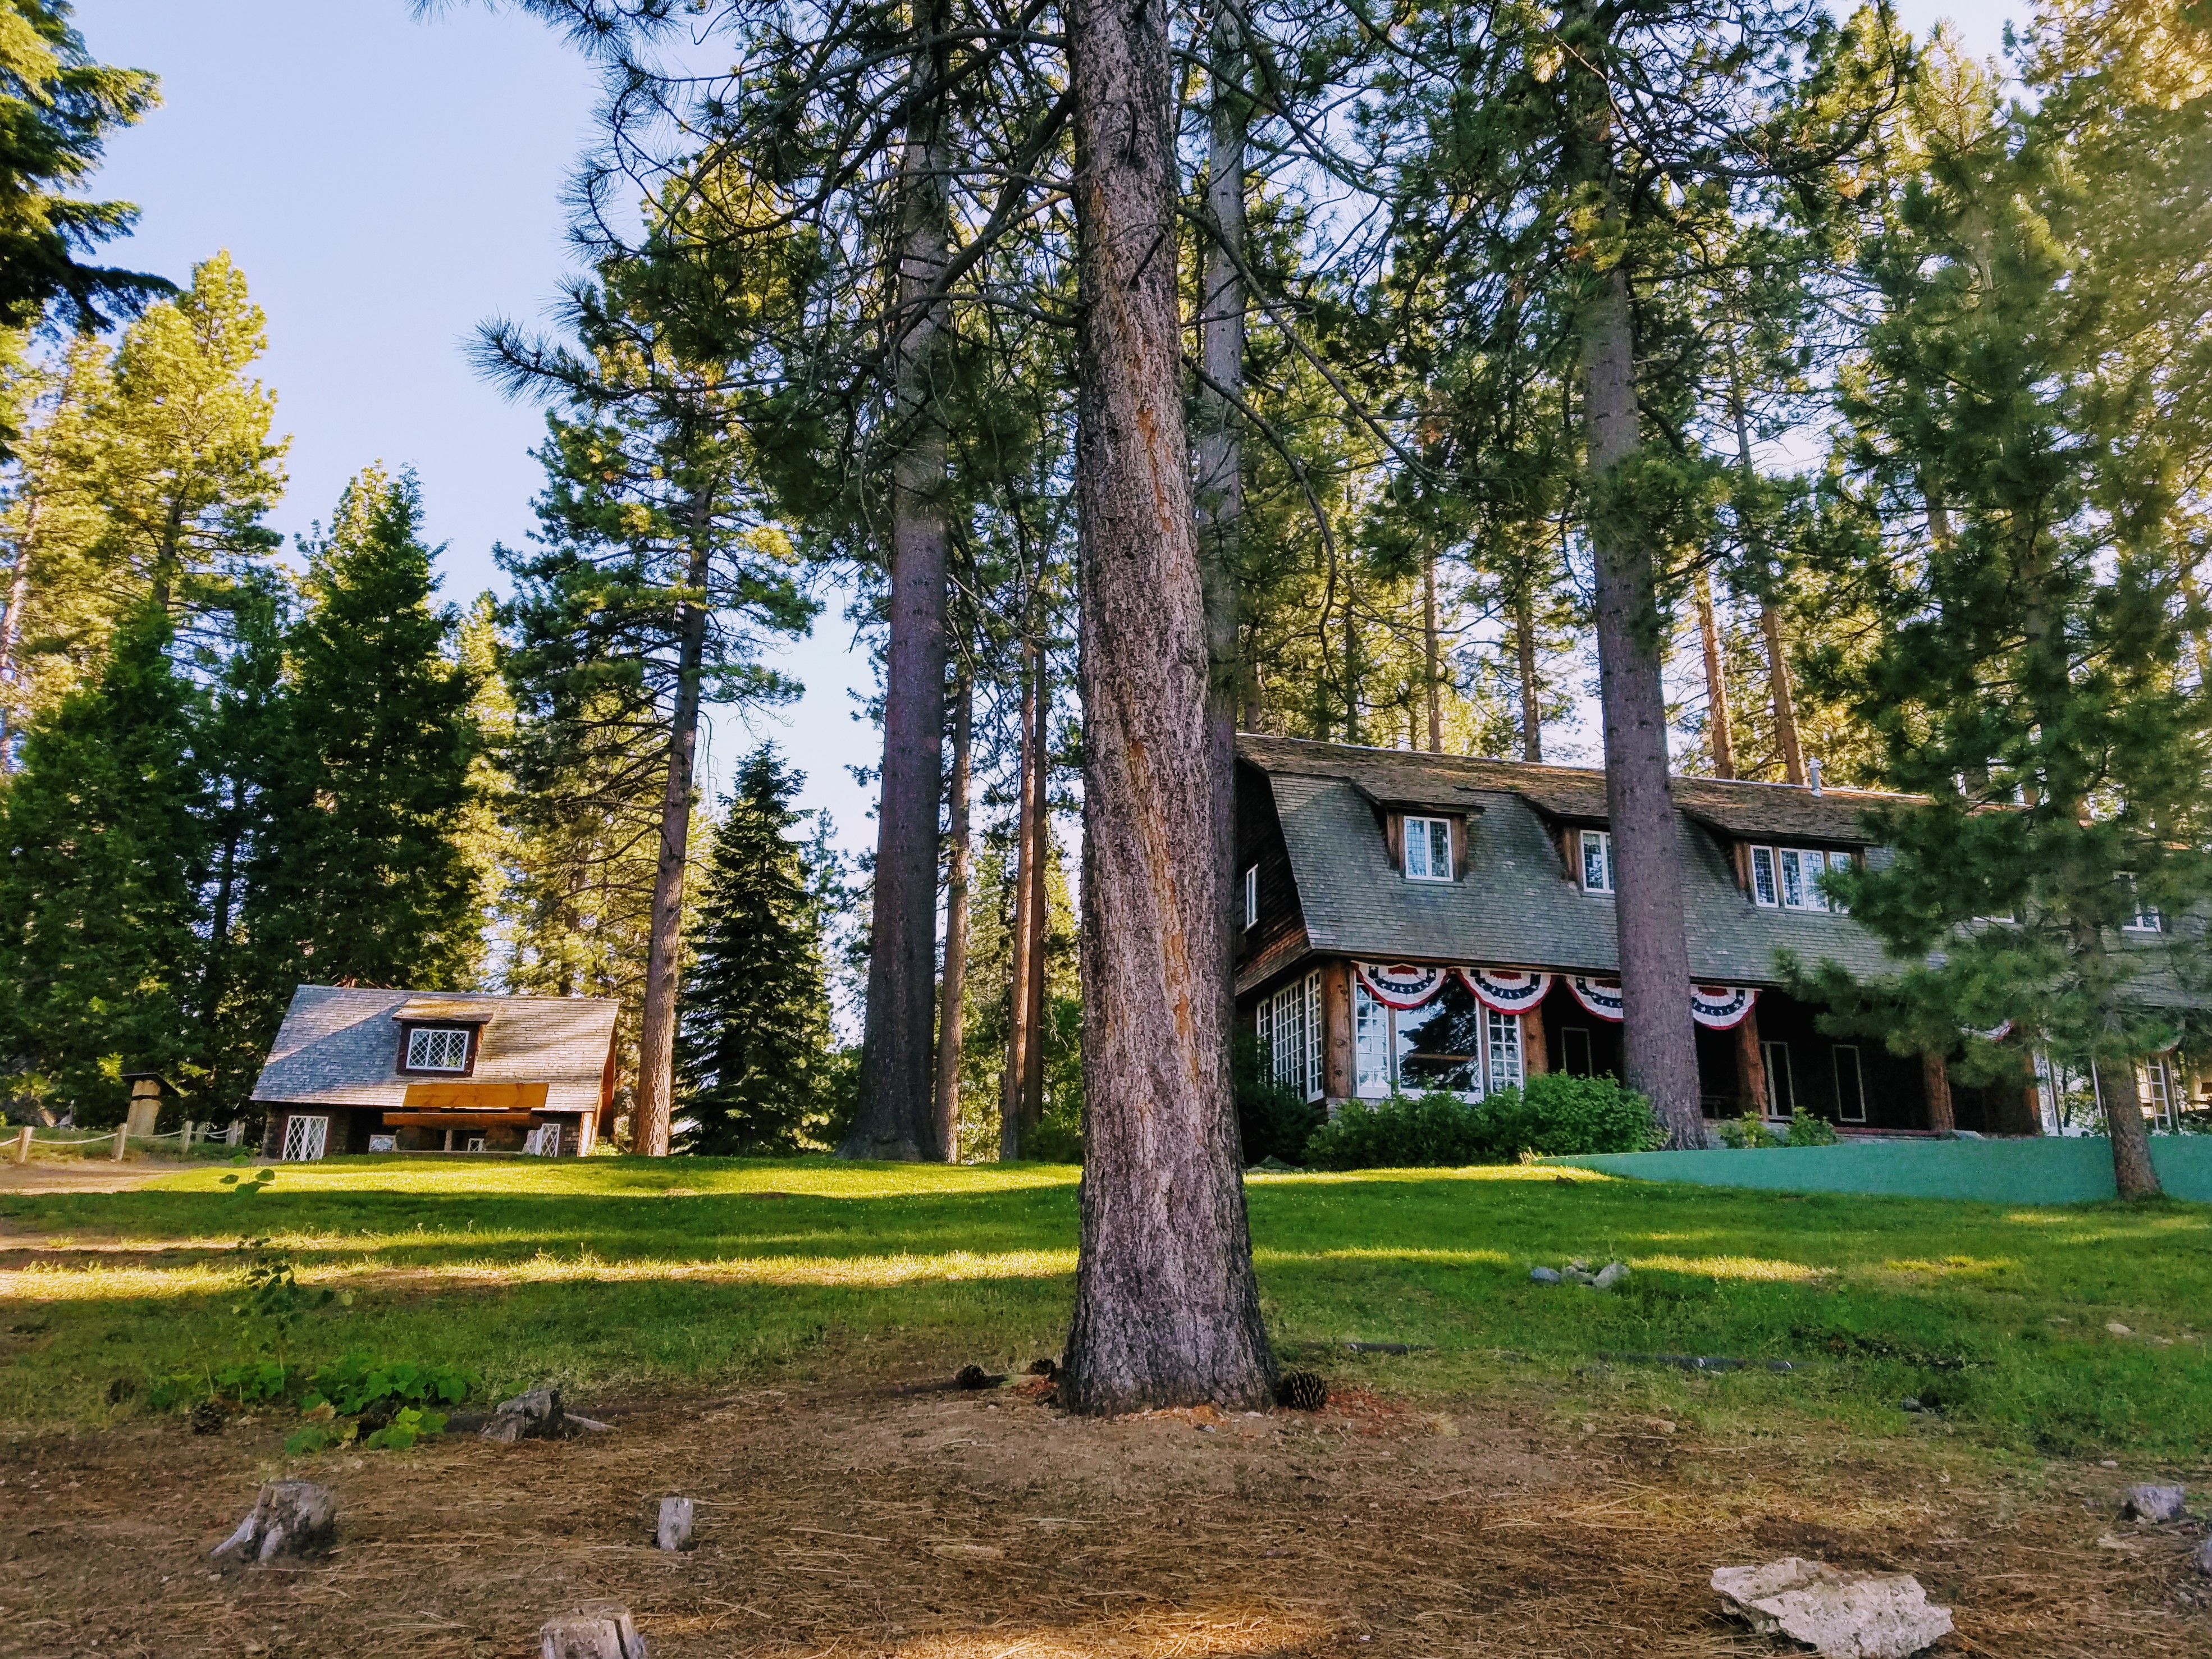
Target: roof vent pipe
{"x": 1813, "y": 773}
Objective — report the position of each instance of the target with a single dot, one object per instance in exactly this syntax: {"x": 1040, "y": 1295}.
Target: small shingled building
{"x": 382, "y": 1071}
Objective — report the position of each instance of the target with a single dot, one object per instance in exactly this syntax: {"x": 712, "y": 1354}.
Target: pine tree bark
{"x": 11, "y": 625}
{"x": 951, "y": 1004}
{"x": 1433, "y": 654}
{"x": 2133, "y": 1173}
{"x": 1167, "y": 1307}
{"x": 1935, "y": 1083}
{"x": 1720, "y": 733}
{"x": 1785, "y": 698}
{"x": 1532, "y": 687}
{"x": 1659, "y": 1039}
{"x": 894, "y": 1116}
{"x": 1026, "y": 888}
{"x": 656, "y": 1057}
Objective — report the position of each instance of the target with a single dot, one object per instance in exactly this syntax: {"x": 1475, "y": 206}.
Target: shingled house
{"x": 1416, "y": 921}
{"x": 370, "y": 1071}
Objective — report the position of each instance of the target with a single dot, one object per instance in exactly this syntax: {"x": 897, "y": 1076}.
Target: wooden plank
{"x": 475, "y": 1097}
{"x": 451, "y": 1120}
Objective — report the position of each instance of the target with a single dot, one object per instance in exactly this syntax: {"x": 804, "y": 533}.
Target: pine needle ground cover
{"x": 2077, "y": 1331}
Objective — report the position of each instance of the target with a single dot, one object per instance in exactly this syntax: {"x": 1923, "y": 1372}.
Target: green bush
{"x": 1807, "y": 1130}
{"x": 1053, "y": 1141}
{"x": 1554, "y": 1116}
{"x": 1273, "y": 1120}
{"x": 1749, "y": 1130}
{"x": 359, "y": 1383}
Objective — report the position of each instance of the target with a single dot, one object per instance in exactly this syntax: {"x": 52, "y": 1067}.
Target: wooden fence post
{"x": 23, "y": 1145}
{"x": 121, "y": 1134}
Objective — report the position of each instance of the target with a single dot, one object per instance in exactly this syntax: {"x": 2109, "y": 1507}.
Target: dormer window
{"x": 2143, "y": 918}
{"x": 1788, "y": 877}
{"x": 1428, "y": 850}
{"x": 437, "y": 1048}
{"x": 1597, "y": 860}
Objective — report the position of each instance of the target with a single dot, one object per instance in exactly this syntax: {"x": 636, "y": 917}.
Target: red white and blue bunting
{"x": 1506, "y": 989}
{"x": 1397, "y": 984}
{"x": 1721, "y": 1008}
{"x": 1600, "y": 996}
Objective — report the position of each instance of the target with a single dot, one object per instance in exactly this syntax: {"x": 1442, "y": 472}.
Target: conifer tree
{"x": 753, "y": 1049}
{"x": 99, "y": 835}
{"x": 365, "y": 879}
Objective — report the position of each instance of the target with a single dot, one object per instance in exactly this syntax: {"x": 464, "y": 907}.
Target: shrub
{"x": 1273, "y": 1120}
{"x": 1807, "y": 1130}
{"x": 1749, "y": 1130}
{"x": 360, "y": 1384}
{"x": 1554, "y": 1116}
{"x": 1053, "y": 1141}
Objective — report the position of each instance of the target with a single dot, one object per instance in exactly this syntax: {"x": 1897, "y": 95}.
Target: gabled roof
{"x": 340, "y": 1047}
{"x": 1519, "y": 907}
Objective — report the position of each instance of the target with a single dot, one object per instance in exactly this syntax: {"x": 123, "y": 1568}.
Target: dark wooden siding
{"x": 1260, "y": 841}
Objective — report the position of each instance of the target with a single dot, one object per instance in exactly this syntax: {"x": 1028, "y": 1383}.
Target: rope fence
{"x": 120, "y": 1140}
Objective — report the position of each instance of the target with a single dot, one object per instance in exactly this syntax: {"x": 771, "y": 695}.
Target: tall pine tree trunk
{"x": 656, "y": 1057}
{"x": 1431, "y": 653}
{"x": 1035, "y": 869}
{"x": 1785, "y": 698}
{"x": 1719, "y": 731}
{"x": 894, "y": 1116}
{"x": 1532, "y": 686}
{"x": 951, "y": 1005}
{"x": 11, "y": 625}
{"x": 1660, "y": 1041}
{"x": 1167, "y": 1307}
{"x": 1027, "y": 888}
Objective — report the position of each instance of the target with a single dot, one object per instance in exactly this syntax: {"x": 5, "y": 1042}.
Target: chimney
{"x": 1813, "y": 773}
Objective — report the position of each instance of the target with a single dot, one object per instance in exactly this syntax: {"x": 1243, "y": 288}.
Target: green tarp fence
{"x": 2052, "y": 1171}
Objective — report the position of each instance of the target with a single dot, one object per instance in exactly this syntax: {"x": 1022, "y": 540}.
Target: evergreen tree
{"x": 365, "y": 879}
{"x": 57, "y": 108}
{"x": 100, "y": 833}
{"x": 753, "y": 1051}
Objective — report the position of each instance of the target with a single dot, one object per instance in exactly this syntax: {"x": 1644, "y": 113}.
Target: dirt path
{"x": 951, "y": 1526}
{"x": 84, "y": 1175}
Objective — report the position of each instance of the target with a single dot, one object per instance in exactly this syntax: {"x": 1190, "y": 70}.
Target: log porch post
{"x": 1337, "y": 1079}
{"x": 1750, "y": 1066}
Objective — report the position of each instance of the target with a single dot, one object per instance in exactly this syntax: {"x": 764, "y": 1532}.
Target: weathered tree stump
{"x": 533, "y": 1416}
{"x": 598, "y": 1630}
{"x": 290, "y": 1517}
{"x": 674, "y": 1531}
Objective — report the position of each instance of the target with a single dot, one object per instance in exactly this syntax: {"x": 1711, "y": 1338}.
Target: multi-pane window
{"x": 2154, "y": 1086}
{"x": 1451, "y": 1044}
{"x": 304, "y": 1139}
{"x": 1789, "y": 877}
{"x": 1290, "y": 1030}
{"x": 438, "y": 1049}
{"x": 1504, "y": 1049}
{"x": 1428, "y": 850}
{"x": 2142, "y": 917}
{"x": 1597, "y": 861}
{"x": 1252, "y": 897}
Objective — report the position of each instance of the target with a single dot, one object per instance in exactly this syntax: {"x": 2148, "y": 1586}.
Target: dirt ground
{"x": 83, "y": 1174}
{"x": 935, "y": 1524}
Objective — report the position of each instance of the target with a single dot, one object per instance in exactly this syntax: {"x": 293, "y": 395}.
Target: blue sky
{"x": 386, "y": 184}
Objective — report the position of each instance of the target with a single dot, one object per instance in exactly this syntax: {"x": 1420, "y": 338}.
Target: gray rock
{"x": 2155, "y": 1503}
{"x": 1544, "y": 1275}
{"x": 598, "y": 1630}
{"x": 2201, "y": 1558}
{"x": 290, "y": 1517}
{"x": 1578, "y": 1266}
{"x": 674, "y": 1531}
{"x": 1839, "y": 1614}
{"x": 533, "y": 1416}
{"x": 1610, "y": 1275}
{"x": 1577, "y": 1276}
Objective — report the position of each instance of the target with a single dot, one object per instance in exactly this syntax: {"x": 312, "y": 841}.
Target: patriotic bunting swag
{"x": 1600, "y": 996}
{"x": 1721, "y": 1008}
{"x": 1400, "y": 985}
{"x": 1507, "y": 990}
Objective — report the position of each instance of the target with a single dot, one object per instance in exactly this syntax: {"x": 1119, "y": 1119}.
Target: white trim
{"x": 1252, "y": 896}
{"x": 305, "y": 1138}
{"x": 1596, "y": 859}
{"x": 1421, "y": 835}
{"x": 1858, "y": 1084}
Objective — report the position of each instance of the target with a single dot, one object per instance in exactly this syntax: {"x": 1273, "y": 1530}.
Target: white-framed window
{"x": 1370, "y": 1044}
{"x": 1765, "y": 886}
{"x": 2155, "y": 1087}
{"x": 2142, "y": 917}
{"x": 1788, "y": 877}
{"x": 1252, "y": 897}
{"x": 304, "y": 1139}
{"x": 1781, "y": 1086}
{"x": 1290, "y": 1031}
{"x": 1428, "y": 850}
{"x": 1597, "y": 860}
{"x": 438, "y": 1049}
{"x": 1504, "y": 1049}
{"x": 1850, "y": 1084}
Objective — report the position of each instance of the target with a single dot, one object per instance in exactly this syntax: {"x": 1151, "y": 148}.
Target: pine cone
{"x": 207, "y": 1417}
{"x": 1044, "y": 1368}
{"x": 1301, "y": 1391}
{"x": 971, "y": 1377}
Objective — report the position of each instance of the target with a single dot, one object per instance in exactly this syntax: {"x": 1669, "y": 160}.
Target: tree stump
{"x": 674, "y": 1531}
{"x": 598, "y": 1630}
{"x": 290, "y": 1517}
{"x": 533, "y": 1416}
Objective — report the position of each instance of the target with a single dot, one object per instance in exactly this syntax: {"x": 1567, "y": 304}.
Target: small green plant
{"x": 1806, "y": 1129}
{"x": 359, "y": 1384}
{"x": 1749, "y": 1130}
{"x": 407, "y": 1426}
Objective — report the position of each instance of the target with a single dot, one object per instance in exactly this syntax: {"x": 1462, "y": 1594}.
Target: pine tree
{"x": 57, "y": 108}
{"x": 753, "y": 1050}
{"x": 100, "y": 834}
{"x": 366, "y": 879}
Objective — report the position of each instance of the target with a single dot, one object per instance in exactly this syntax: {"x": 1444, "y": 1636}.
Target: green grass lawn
{"x": 608, "y": 1274}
